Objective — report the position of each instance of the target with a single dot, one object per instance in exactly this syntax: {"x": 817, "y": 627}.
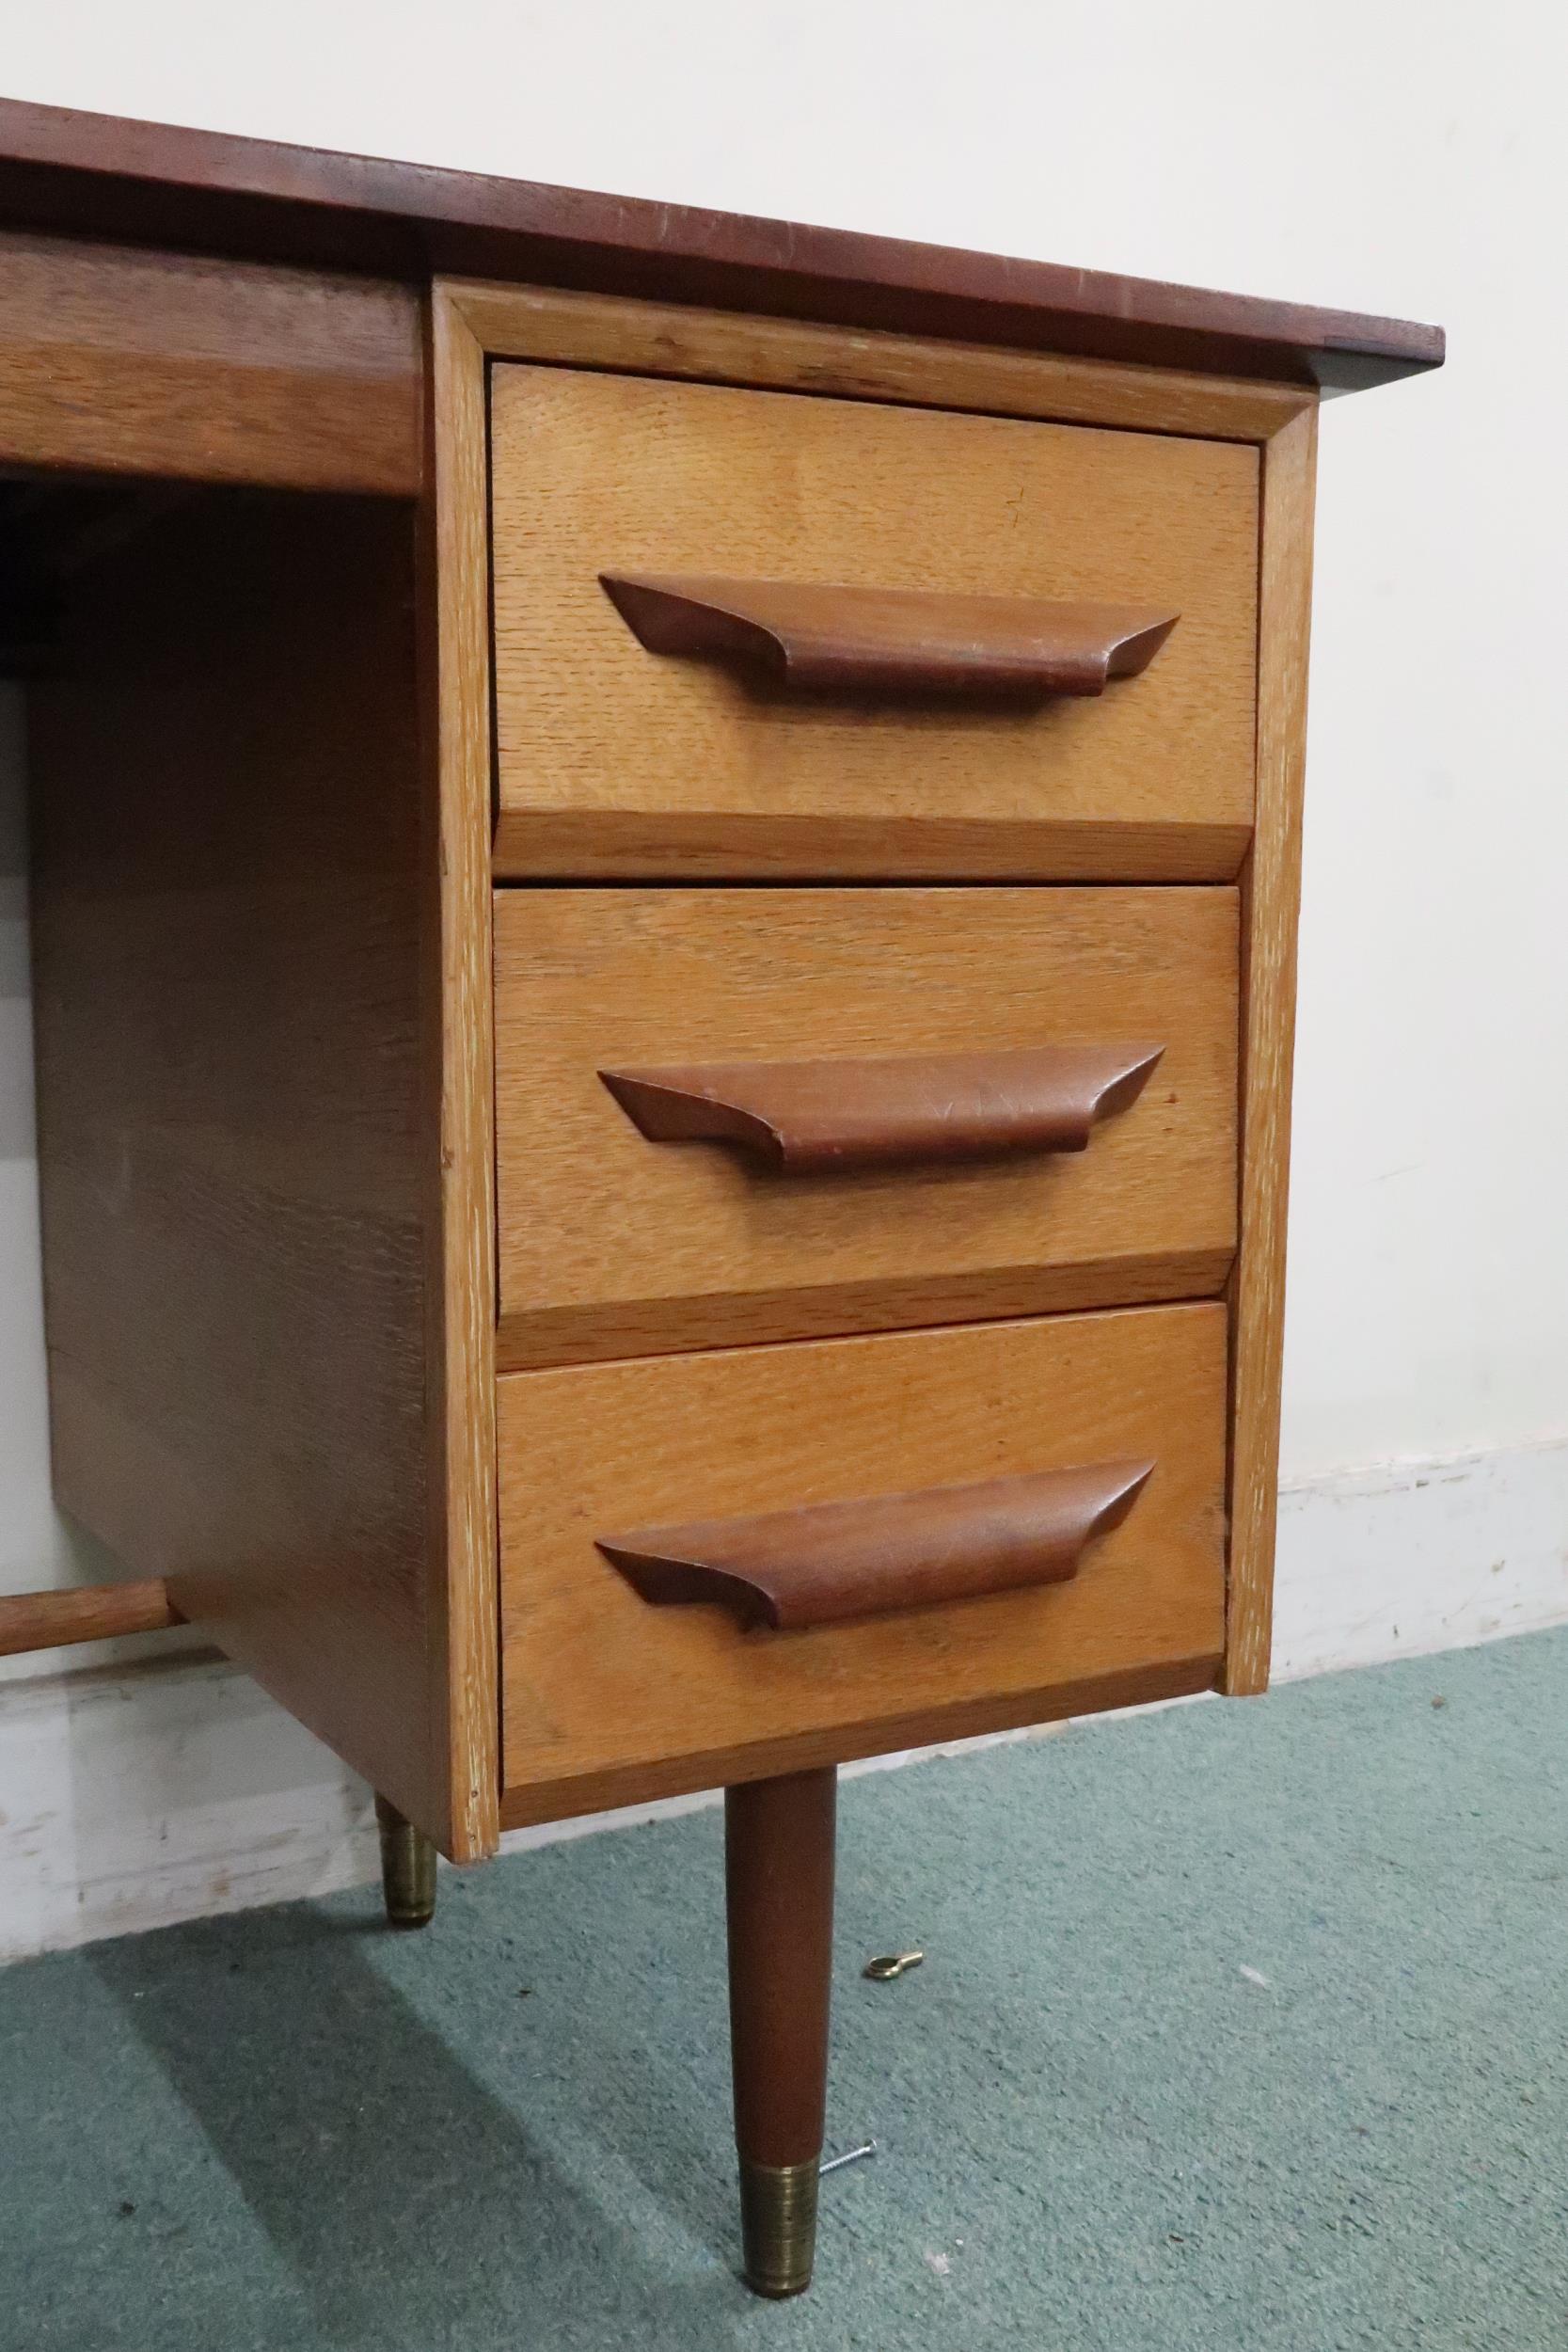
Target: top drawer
{"x": 618, "y": 760}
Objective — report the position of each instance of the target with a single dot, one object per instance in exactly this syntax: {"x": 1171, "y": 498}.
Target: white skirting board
{"x": 135, "y": 1795}
{"x": 1411, "y": 1557}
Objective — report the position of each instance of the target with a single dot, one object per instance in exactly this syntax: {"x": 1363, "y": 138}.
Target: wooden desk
{"x": 665, "y": 865}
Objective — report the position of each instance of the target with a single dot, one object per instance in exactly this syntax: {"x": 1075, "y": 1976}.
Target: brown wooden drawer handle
{"x": 888, "y": 640}
{"x": 810, "y": 1116}
{"x": 789, "y": 1570}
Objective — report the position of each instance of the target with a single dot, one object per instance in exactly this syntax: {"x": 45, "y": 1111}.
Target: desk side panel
{"x": 230, "y": 949}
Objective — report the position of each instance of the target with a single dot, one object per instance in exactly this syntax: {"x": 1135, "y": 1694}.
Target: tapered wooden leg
{"x": 407, "y": 1869}
{"x": 779, "y": 1880}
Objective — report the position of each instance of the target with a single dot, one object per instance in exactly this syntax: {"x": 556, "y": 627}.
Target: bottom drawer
{"x": 608, "y": 1696}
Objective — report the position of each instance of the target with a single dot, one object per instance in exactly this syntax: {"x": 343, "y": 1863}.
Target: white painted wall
{"x": 1353, "y": 154}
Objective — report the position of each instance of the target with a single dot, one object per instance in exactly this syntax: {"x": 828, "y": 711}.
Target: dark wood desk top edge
{"x": 107, "y": 177}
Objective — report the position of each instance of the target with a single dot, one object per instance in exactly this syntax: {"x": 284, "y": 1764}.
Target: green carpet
{"x": 1242, "y": 2026}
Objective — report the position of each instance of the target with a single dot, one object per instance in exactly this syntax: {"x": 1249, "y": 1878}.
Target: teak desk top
{"x": 199, "y": 191}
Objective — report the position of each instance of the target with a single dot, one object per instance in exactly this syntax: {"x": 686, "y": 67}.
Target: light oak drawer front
{"x": 605, "y": 1690}
{"x": 871, "y": 1040}
{"x": 861, "y": 735}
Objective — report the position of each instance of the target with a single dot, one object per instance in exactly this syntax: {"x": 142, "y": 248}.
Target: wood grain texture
{"x": 119, "y": 361}
{"x": 101, "y": 174}
{"x": 612, "y": 1245}
{"x": 585, "y": 845}
{"x": 225, "y": 834}
{"x": 597, "y": 330}
{"x": 1270, "y": 900}
{"x": 969, "y": 1718}
{"x": 459, "y": 874}
{"x": 606, "y": 1699}
{"x": 88, "y": 1612}
{"x": 602, "y": 750}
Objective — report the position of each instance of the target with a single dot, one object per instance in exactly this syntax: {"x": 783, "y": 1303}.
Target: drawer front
{"x": 607, "y": 1695}
{"x": 618, "y": 760}
{"x": 615, "y": 1242}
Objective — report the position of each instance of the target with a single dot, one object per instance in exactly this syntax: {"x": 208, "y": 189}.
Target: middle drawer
{"x": 855, "y": 1109}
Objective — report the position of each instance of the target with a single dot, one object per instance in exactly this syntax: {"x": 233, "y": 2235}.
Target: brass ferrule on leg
{"x": 777, "y": 2226}
{"x": 407, "y": 1869}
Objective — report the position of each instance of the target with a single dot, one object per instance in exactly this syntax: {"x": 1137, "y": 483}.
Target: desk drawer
{"x": 608, "y": 1696}
{"x": 916, "y": 740}
{"x": 905, "y": 1027}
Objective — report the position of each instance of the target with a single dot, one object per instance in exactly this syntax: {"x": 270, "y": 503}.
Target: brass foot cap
{"x": 777, "y": 2226}
{"x": 408, "y": 1869}
{"x": 405, "y": 1919}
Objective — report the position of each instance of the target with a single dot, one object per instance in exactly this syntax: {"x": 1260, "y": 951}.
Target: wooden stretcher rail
{"x": 93, "y": 1613}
